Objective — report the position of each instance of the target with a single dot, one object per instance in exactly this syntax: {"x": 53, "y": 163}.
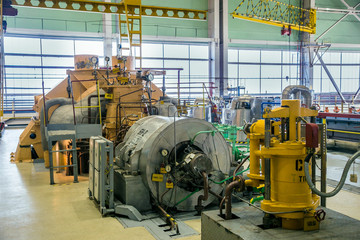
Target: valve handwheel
{"x": 320, "y": 215}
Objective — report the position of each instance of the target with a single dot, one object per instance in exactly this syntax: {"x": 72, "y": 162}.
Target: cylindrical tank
{"x": 165, "y": 108}
{"x": 156, "y": 143}
{"x": 239, "y": 111}
{"x": 200, "y": 111}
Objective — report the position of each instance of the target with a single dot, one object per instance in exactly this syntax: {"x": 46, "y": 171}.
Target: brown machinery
{"x": 126, "y": 95}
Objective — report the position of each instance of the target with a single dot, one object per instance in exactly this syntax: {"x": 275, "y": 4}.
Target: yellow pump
{"x": 277, "y": 153}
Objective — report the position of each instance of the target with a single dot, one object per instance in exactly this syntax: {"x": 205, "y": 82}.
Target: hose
{"x": 341, "y": 182}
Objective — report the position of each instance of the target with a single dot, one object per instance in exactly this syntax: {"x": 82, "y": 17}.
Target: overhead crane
{"x": 278, "y": 14}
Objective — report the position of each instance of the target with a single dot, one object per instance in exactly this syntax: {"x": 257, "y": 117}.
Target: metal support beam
{"x": 107, "y": 29}
{"x": 356, "y": 95}
{"x": 224, "y": 42}
{"x": 349, "y": 11}
{"x": 213, "y": 33}
{"x": 332, "y": 26}
{"x": 331, "y": 78}
{"x": 306, "y": 77}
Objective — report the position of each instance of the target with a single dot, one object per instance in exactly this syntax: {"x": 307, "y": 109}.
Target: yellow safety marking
{"x": 340, "y": 131}
{"x": 162, "y": 170}
{"x": 109, "y": 96}
{"x": 169, "y": 185}
{"x": 157, "y": 177}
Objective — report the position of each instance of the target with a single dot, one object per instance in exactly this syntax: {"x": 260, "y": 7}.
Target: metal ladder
{"x": 134, "y": 28}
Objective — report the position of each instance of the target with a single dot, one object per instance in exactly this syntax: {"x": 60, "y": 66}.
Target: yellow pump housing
{"x": 286, "y": 151}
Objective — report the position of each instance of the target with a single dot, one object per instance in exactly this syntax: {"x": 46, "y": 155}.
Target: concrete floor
{"x": 32, "y": 209}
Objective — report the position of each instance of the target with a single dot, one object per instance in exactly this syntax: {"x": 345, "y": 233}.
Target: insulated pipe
{"x": 341, "y": 182}
{"x": 48, "y": 105}
{"x": 294, "y": 89}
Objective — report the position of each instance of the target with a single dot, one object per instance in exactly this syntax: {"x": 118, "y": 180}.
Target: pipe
{"x": 205, "y": 196}
{"x": 172, "y": 221}
{"x": 341, "y": 182}
{"x": 239, "y": 183}
{"x": 240, "y": 165}
{"x": 294, "y": 89}
{"x": 226, "y": 179}
{"x": 48, "y": 105}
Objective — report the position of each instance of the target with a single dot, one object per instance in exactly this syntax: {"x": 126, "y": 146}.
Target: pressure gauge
{"x": 168, "y": 168}
{"x": 164, "y": 152}
{"x": 94, "y": 60}
{"x": 150, "y": 77}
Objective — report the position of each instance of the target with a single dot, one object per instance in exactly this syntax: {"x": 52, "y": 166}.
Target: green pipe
{"x": 257, "y": 199}
{"x": 187, "y": 197}
{"x": 230, "y": 177}
{"x": 201, "y": 132}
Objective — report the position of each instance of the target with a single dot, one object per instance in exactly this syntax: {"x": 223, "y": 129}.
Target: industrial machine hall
{"x": 179, "y": 119}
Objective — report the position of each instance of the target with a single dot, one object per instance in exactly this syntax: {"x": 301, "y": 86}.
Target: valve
{"x": 320, "y": 215}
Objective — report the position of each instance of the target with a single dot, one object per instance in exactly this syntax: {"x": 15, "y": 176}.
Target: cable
{"x": 341, "y": 182}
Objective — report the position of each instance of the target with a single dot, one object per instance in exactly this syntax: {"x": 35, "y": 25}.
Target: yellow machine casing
{"x": 289, "y": 189}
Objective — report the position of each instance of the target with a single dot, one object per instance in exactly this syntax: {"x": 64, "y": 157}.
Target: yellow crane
{"x": 278, "y": 14}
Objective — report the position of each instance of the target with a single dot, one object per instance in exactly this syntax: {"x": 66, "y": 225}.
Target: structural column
{"x": 218, "y": 30}
{"x": 107, "y": 29}
{"x": 307, "y": 54}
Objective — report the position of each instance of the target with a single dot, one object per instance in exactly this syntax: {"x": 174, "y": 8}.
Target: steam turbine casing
{"x": 140, "y": 153}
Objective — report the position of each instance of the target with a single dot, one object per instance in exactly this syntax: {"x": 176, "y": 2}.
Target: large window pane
{"x": 350, "y": 57}
{"x": 22, "y": 45}
{"x": 349, "y": 78}
{"x": 22, "y": 61}
{"x": 317, "y": 79}
{"x": 271, "y": 79}
{"x": 59, "y": 62}
{"x": 152, "y": 50}
{"x": 249, "y": 55}
{"x": 176, "y": 51}
{"x": 60, "y": 47}
{"x": 201, "y": 52}
{"x": 89, "y": 47}
{"x": 331, "y": 57}
{"x": 271, "y": 56}
{"x": 250, "y": 75}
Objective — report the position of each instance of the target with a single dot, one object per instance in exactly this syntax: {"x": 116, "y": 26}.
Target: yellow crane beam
{"x": 278, "y": 14}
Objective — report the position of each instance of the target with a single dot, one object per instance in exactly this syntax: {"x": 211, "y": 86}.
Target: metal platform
{"x": 248, "y": 226}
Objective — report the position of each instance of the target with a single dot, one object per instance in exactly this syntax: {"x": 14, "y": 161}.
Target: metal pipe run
{"x": 239, "y": 183}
